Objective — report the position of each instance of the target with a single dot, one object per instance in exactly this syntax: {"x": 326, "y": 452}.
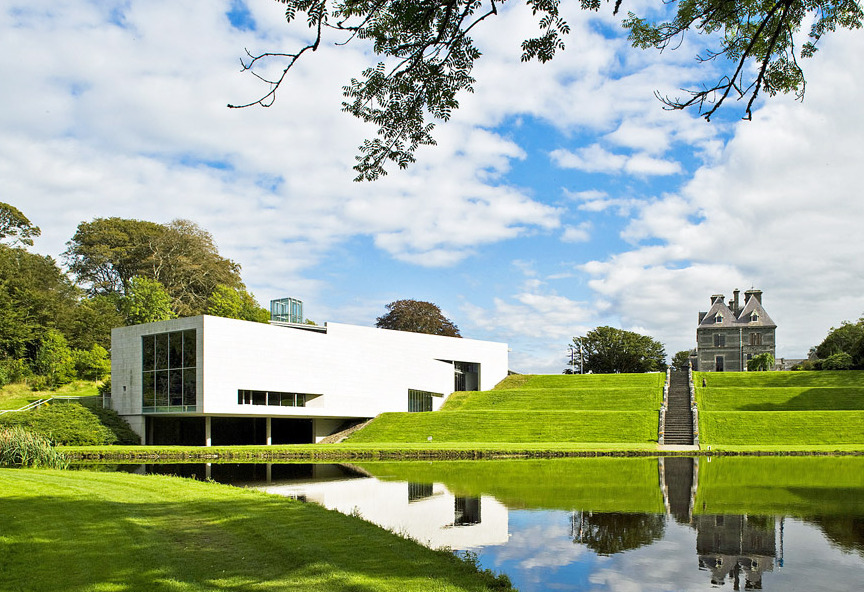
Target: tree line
{"x": 56, "y": 326}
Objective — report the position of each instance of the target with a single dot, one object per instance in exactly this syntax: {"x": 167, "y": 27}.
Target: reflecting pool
{"x": 728, "y": 523}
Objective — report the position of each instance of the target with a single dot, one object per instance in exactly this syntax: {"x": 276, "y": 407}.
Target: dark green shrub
{"x": 838, "y": 361}
{"x": 63, "y": 423}
{"x": 20, "y": 448}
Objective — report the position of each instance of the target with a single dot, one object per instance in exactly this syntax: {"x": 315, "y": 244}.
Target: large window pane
{"x": 162, "y": 351}
{"x": 189, "y": 387}
{"x": 161, "y": 388}
{"x": 148, "y": 390}
{"x": 259, "y": 398}
{"x": 175, "y": 387}
{"x": 189, "y": 348}
{"x": 175, "y": 350}
{"x": 148, "y": 355}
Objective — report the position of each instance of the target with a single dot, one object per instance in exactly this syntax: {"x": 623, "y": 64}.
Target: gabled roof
{"x": 763, "y": 320}
{"x": 719, "y": 307}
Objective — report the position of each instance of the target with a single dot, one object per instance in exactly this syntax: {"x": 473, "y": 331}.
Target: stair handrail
{"x": 40, "y": 402}
{"x": 693, "y": 405}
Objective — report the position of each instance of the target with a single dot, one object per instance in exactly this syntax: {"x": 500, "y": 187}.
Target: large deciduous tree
{"x": 107, "y": 253}
{"x": 146, "y": 301}
{"x": 417, "y": 316}
{"x": 15, "y": 227}
{"x": 236, "y": 303}
{"x": 606, "y": 350}
{"x": 427, "y": 55}
{"x": 846, "y": 339}
{"x": 35, "y": 295}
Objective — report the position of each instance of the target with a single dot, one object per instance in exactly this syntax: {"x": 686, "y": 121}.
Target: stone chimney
{"x": 735, "y": 308}
{"x": 717, "y": 298}
{"x": 757, "y": 294}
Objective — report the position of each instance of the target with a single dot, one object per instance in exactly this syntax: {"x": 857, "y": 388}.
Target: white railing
{"x": 693, "y": 406}
{"x": 40, "y": 402}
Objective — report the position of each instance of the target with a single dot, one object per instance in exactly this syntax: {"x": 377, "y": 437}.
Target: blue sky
{"x": 560, "y": 197}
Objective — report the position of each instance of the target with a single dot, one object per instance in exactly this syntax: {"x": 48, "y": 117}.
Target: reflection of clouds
{"x": 542, "y": 546}
{"x": 670, "y": 564}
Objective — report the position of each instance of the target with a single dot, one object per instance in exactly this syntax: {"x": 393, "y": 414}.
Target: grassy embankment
{"x": 82, "y": 531}
{"x": 594, "y": 412}
{"x": 18, "y": 395}
{"x": 777, "y": 411}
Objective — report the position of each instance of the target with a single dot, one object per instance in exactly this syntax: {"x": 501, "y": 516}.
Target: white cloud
{"x": 595, "y": 159}
{"x": 780, "y": 211}
{"x": 577, "y": 234}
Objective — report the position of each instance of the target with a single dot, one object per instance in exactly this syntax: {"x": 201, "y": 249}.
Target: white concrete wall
{"x": 358, "y": 371}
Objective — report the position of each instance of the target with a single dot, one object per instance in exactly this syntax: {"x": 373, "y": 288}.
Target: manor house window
{"x": 719, "y": 341}
{"x": 755, "y": 339}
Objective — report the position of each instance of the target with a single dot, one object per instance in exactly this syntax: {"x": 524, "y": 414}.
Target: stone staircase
{"x": 679, "y": 416}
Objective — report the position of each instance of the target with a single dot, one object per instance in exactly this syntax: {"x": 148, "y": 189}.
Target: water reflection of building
{"x": 736, "y": 547}
{"x": 426, "y": 512}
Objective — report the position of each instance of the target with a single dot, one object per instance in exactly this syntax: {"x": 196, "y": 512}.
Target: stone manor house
{"x": 730, "y": 334}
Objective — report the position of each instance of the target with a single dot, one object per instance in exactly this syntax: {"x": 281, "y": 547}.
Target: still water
{"x": 640, "y": 524}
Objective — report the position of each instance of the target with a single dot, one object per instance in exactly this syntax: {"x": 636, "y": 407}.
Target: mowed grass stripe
{"x": 785, "y": 398}
{"x": 612, "y": 399}
{"x": 833, "y": 378}
{"x": 781, "y": 427}
{"x": 582, "y": 381}
{"x": 511, "y": 427}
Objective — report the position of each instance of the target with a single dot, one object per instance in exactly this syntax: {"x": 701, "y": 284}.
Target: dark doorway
{"x": 718, "y": 364}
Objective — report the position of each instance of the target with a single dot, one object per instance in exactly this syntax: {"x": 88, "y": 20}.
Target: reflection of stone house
{"x": 730, "y": 334}
{"x": 735, "y": 547}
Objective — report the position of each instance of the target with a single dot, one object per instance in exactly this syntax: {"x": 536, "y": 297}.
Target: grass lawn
{"x": 610, "y": 399}
{"x": 780, "y": 410}
{"x": 800, "y": 486}
{"x": 18, "y": 395}
{"x": 832, "y": 378}
{"x": 511, "y": 426}
{"x": 582, "y": 381}
{"x": 585, "y": 409}
{"x": 784, "y": 398}
{"x": 782, "y": 427}
{"x": 82, "y": 531}
{"x": 590, "y": 484}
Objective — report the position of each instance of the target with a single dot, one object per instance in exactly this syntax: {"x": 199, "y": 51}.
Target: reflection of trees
{"x": 609, "y": 533}
{"x": 845, "y": 532}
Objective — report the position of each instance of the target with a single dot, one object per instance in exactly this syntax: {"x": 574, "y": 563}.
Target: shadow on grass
{"x": 74, "y": 543}
{"x": 815, "y": 399}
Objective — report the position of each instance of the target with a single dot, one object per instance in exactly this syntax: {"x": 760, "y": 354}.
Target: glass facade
{"x": 287, "y": 310}
{"x": 273, "y": 398}
{"x": 169, "y": 381}
{"x": 419, "y": 401}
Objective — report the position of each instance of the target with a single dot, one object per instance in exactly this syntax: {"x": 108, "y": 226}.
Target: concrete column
{"x": 208, "y": 439}
{"x": 269, "y": 431}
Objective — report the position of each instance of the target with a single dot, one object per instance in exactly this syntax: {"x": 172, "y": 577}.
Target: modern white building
{"x": 210, "y": 380}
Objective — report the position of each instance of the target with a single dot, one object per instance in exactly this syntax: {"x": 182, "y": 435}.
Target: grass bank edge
{"x": 461, "y": 450}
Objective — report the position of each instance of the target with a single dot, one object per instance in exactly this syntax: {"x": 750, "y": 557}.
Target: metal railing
{"x": 693, "y": 406}
{"x": 40, "y": 402}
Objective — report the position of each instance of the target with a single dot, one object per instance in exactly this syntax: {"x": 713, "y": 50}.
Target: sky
{"x": 560, "y": 197}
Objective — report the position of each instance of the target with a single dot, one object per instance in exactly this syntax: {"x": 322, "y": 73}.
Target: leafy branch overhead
{"x": 427, "y": 55}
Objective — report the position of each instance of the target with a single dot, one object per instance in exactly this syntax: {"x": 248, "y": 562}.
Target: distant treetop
{"x": 417, "y": 316}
